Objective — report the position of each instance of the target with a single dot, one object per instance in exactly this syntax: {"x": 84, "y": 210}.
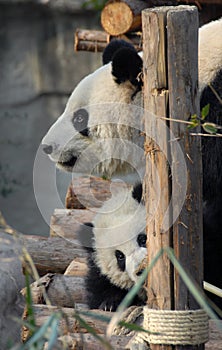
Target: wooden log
{"x": 87, "y": 341}
{"x": 119, "y": 17}
{"x": 169, "y": 292}
{"x": 90, "y": 40}
{"x": 78, "y": 267}
{"x": 52, "y": 254}
{"x": 67, "y": 323}
{"x": 66, "y": 223}
{"x": 90, "y": 192}
{"x": 71, "y": 327}
{"x": 61, "y": 290}
{"x": 97, "y": 40}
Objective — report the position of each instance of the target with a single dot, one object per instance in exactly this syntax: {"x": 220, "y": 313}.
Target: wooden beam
{"x": 157, "y": 189}
{"x": 184, "y": 102}
{"x": 170, "y": 65}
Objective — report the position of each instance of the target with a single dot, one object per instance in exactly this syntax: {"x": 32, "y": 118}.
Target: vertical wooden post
{"x": 157, "y": 173}
{"x": 170, "y": 37}
{"x": 184, "y": 102}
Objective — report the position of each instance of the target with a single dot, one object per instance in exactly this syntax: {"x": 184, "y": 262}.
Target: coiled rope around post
{"x": 172, "y": 327}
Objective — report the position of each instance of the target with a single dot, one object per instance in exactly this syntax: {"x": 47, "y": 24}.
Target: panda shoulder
{"x": 210, "y": 52}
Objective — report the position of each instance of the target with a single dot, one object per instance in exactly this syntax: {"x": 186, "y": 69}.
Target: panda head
{"x": 97, "y": 112}
{"x": 119, "y": 237}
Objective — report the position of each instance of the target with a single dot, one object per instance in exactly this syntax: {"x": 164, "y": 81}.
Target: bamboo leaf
{"x": 205, "y": 111}
{"x": 193, "y": 288}
{"x": 54, "y": 333}
{"x": 92, "y": 331}
{"x": 210, "y": 128}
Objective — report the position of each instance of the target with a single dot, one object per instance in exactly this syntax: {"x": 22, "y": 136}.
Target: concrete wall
{"x": 38, "y": 70}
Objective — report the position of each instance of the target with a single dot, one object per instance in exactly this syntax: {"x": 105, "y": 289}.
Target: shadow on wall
{"x": 38, "y": 70}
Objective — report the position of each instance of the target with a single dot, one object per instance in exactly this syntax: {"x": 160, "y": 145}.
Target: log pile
{"x": 122, "y": 19}
{"x": 62, "y": 263}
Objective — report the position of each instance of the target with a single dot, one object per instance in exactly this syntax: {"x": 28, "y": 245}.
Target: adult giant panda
{"x": 116, "y": 244}
{"x": 100, "y": 128}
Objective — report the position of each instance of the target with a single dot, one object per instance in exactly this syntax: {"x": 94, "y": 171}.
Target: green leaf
{"x": 193, "y": 125}
{"x": 194, "y": 122}
{"x": 92, "y": 331}
{"x": 205, "y": 111}
{"x": 53, "y": 334}
{"x": 193, "y": 288}
{"x": 210, "y": 128}
{"x": 29, "y": 302}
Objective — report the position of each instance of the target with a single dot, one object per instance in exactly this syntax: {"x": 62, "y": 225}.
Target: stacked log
{"x": 119, "y": 17}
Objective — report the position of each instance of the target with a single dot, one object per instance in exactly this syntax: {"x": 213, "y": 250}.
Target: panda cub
{"x": 116, "y": 245}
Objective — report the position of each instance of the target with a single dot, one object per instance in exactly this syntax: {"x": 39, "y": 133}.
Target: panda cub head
{"x": 120, "y": 238}
{"x": 118, "y": 249}
{"x": 101, "y": 115}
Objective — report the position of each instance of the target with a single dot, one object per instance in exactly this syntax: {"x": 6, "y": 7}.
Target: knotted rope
{"x": 172, "y": 327}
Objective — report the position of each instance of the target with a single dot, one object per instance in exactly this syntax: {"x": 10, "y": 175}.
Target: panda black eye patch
{"x": 80, "y": 121}
{"x": 121, "y": 260}
{"x": 141, "y": 240}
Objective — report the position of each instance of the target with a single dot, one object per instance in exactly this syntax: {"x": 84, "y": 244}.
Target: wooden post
{"x": 155, "y": 102}
{"x": 173, "y": 159}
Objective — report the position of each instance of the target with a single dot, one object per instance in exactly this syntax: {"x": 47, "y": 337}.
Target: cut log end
{"x": 116, "y": 18}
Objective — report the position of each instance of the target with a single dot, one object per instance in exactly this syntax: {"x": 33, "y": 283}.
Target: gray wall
{"x": 38, "y": 70}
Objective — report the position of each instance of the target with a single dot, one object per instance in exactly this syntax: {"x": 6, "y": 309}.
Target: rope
{"x": 172, "y": 327}
{"x": 133, "y": 314}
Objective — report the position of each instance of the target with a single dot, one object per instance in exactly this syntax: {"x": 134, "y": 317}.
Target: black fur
{"x": 101, "y": 293}
{"x": 137, "y": 192}
{"x": 212, "y": 146}
{"x": 126, "y": 63}
{"x": 212, "y": 190}
{"x": 127, "y": 66}
{"x": 80, "y": 121}
{"x": 112, "y": 47}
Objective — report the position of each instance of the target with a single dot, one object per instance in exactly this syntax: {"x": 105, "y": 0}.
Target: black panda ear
{"x": 112, "y": 47}
{"x": 137, "y": 192}
{"x": 85, "y": 235}
{"x": 127, "y": 66}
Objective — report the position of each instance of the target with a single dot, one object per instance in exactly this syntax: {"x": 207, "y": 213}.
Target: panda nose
{"x": 47, "y": 149}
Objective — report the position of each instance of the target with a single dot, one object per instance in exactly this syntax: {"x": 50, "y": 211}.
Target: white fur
{"x": 116, "y": 228}
{"x": 210, "y": 52}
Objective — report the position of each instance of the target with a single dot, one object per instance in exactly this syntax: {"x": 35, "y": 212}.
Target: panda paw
{"x": 109, "y": 305}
